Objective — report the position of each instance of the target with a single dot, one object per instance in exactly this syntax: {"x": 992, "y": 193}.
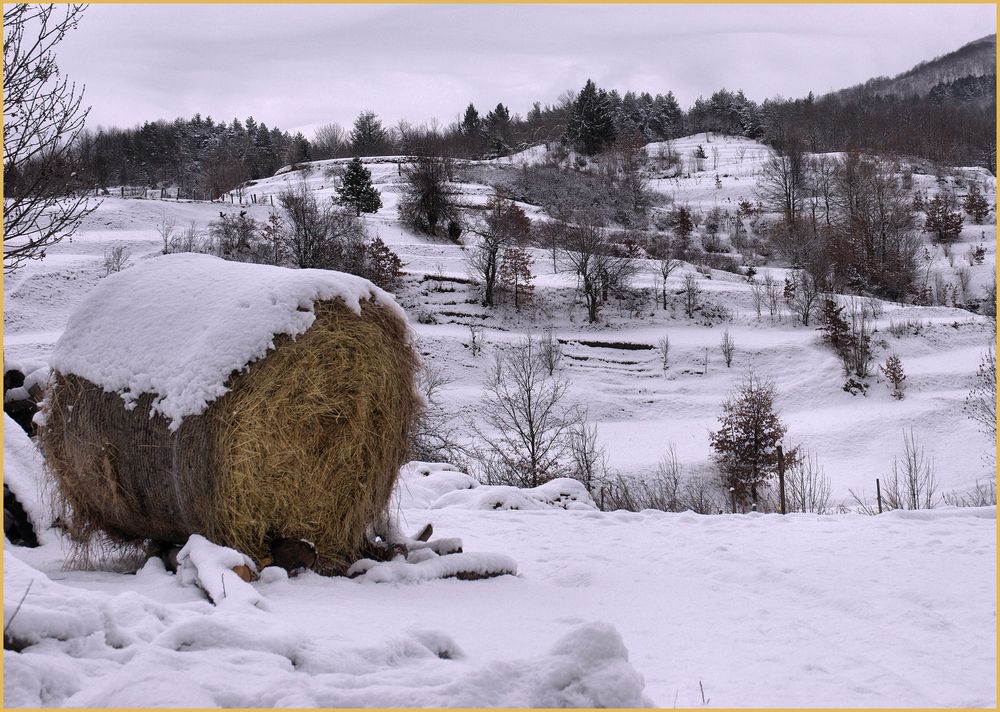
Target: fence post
{"x": 878, "y": 494}
{"x": 781, "y": 478}
{"x": 732, "y": 498}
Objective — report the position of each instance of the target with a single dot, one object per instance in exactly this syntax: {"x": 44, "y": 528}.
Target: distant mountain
{"x": 967, "y": 74}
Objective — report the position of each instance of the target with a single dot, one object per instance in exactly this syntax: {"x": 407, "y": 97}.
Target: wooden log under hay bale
{"x": 242, "y": 402}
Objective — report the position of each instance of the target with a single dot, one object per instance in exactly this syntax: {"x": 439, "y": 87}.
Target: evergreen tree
{"x": 298, "y": 150}
{"x": 368, "y": 136}
{"x": 591, "y": 125}
{"x": 943, "y": 217}
{"x": 683, "y": 227}
{"x": 471, "y": 123}
{"x": 384, "y": 265}
{"x": 357, "y": 190}
{"x": 893, "y": 371}
{"x": 976, "y": 205}
{"x": 497, "y": 130}
{"x": 746, "y": 443}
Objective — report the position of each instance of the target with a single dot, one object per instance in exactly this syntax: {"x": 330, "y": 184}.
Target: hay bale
{"x": 241, "y": 402}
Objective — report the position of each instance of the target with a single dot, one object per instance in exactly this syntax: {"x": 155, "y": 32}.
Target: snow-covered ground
{"x": 805, "y": 610}
{"x": 756, "y": 610}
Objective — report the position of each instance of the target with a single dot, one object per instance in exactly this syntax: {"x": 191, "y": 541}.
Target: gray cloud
{"x": 297, "y": 66}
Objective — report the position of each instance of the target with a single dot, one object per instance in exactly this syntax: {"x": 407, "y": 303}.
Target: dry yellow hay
{"x": 306, "y": 443}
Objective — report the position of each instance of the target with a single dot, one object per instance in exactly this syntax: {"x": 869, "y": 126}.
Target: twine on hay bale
{"x": 306, "y": 443}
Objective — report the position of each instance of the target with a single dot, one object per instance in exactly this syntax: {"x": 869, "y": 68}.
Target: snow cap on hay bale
{"x": 191, "y": 395}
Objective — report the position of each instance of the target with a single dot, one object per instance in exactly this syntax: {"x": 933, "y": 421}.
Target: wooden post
{"x": 781, "y": 479}
{"x": 878, "y": 494}
{"x": 732, "y": 498}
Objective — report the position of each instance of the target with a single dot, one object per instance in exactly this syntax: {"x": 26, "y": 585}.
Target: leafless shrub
{"x": 116, "y": 257}
{"x": 435, "y": 436}
{"x": 550, "y": 351}
{"x": 981, "y": 404}
{"x": 984, "y": 494}
{"x": 165, "y": 229}
{"x": 801, "y": 294}
{"x": 475, "y": 339}
{"x": 905, "y": 327}
{"x": 189, "y": 240}
{"x": 912, "y": 484}
{"x": 807, "y": 488}
{"x": 772, "y": 294}
{"x": 964, "y": 277}
{"x": 588, "y": 459}
{"x": 757, "y": 297}
{"x": 668, "y": 489}
{"x": 663, "y": 347}
{"x": 692, "y": 294}
{"x": 858, "y": 356}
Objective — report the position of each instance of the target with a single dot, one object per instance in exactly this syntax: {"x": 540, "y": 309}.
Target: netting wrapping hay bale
{"x": 241, "y": 402}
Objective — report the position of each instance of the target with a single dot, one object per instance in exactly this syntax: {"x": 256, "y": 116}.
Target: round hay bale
{"x": 303, "y": 441}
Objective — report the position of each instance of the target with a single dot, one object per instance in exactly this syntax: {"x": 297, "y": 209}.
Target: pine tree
{"x": 683, "y": 227}
{"x": 893, "y": 371}
{"x": 591, "y": 125}
{"x": 976, "y": 205}
{"x": 746, "y": 443}
{"x": 357, "y": 190}
{"x": 368, "y": 135}
{"x": 836, "y": 330}
{"x": 497, "y": 128}
{"x": 471, "y": 123}
{"x": 943, "y": 217}
{"x": 384, "y": 265}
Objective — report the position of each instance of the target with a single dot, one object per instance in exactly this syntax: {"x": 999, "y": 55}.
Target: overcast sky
{"x": 300, "y": 66}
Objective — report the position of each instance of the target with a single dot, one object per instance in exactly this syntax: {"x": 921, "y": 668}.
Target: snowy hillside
{"x": 638, "y": 407}
{"x": 607, "y": 608}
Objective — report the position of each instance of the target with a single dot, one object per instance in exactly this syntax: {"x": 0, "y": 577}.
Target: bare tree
{"x": 601, "y": 266}
{"x": 435, "y": 436}
{"x": 802, "y": 292}
{"x": 781, "y": 186}
{"x": 523, "y": 421}
{"x": 981, "y": 403}
{"x": 692, "y": 294}
{"x": 321, "y": 236}
{"x": 550, "y": 351}
{"x": 43, "y": 117}
{"x": 772, "y": 295}
{"x": 427, "y": 202}
{"x": 728, "y": 348}
{"x": 757, "y": 296}
{"x": 329, "y": 140}
{"x": 588, "y": 459}
{"x": 665, "y": 265}
{"x": 504, "y": 224}
{"x": 476, "y": 339}
{"x": 663, "y": 346}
